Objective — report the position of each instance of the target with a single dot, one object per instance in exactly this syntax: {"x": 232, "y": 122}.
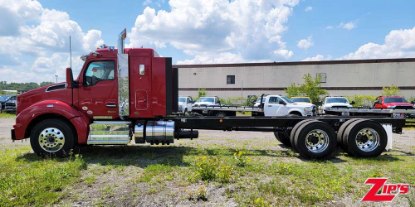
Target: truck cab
{"x": 392, "y": 102}
{"x": 134, "y": 85}
{"x": 185, "y": 104}
{"x": 207, "y": 101}
{"x": 277, "y": 105}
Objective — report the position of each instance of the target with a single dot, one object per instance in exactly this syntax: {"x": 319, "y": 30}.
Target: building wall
{"x": 365, "y": 77}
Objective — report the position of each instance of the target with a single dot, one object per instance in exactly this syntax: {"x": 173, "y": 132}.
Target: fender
{"x": 297, "y": 111}
{"x": 51, "y": 108}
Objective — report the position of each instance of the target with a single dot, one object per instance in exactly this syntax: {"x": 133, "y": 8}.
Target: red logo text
{"x": 382, "y": 192}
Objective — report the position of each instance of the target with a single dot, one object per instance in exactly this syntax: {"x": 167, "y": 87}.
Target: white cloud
{"x": 397, "y": 44}
{"x": 36, "y": 41}
{"x": 347, "y": 25}
{"x": 305, "y": 43}
{"x": 317, "y": 58}
{"x": 308, "y": 9}
{"x": 243, "y": 29}
{"x": 284, "y": 53}
{"x": 344, "y": 25}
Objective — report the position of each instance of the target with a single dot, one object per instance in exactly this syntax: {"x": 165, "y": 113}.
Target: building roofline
{"x": 323, "y": 62}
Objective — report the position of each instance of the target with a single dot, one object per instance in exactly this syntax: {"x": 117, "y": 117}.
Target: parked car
{"x": 185, "y": 104}
{"x": 3, "y": 99}
{"x": 335, "y": 102}
{"x": 10, "y": 104}
{"x": 301, "y": 99}
{"x": 392, "y": 102}
{"x": 207, "y": 101}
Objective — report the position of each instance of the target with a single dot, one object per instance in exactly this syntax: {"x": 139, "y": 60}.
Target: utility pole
{"x": 56, "y": 77}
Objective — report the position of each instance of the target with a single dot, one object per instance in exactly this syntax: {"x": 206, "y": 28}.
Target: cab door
{"x": 98, "y": 92}
{"x": 271, "y": 106}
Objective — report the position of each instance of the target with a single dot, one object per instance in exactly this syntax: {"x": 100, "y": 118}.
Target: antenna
{"x": 70, "y": 52}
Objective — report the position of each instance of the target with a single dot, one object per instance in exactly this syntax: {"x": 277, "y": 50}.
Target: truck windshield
{"x": 182, "y": 99}
{"x": 206, "y": 99}
{"x": 336, "y": 100}
{"x": 286, "y": 99}
{"x": 395, "y": 100}
{"x": 306, "y": 100}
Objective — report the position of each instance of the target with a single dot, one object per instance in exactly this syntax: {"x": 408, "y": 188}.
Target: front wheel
{"x": 52, "y": 137}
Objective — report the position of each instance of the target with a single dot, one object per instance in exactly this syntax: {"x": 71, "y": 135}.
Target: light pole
{"x": 56, "y": 77}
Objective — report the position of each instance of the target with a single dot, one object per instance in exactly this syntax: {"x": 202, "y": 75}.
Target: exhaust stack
{"x": 121, "y": 39}
{"x": 123, "y": 79}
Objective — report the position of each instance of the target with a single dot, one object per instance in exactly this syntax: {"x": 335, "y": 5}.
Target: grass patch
{"x": 7, "y": 116}
{"x": 26, "y": 180}
{"x": 195, "y": 172}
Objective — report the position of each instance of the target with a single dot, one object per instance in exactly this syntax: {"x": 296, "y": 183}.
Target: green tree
{"x": 293, "y": 90}
{"x": 311, "y": 88}
{"x": 45, "y": 83}
{"x": 200, "y": 93}
{"x": 390, "y": 91}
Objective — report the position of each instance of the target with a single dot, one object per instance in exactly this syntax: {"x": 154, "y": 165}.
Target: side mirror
{"x": 282, "y": 102}
{"x": 69, "y": 78}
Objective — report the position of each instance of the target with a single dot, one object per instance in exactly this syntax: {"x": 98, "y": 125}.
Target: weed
{"x": 90, "y": 180}
{"x": 260, "y": 202}
{"x": 224, "y": 174}
{"x": 241, "y": 160}
{"x": 200, "y": 194}
{"x": 206, "y": 168}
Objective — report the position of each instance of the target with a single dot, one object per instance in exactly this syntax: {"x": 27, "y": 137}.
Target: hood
{"x": 56, "y": 91}
{"x": 398, "y": 104}
{"x": 303, "y": 104}
{"x": 337, "y": 105}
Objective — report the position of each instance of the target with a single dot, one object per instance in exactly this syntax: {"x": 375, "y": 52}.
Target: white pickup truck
{"x": 185, "y": 104}
{"x": 273, "y": 105}
{"x": 276, "y": 105}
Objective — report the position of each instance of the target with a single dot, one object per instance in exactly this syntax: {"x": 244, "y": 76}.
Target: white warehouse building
{"x": 339, "y": 77}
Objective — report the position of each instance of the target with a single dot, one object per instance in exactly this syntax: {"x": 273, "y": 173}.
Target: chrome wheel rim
{"x": 51, "y": 139}
{"x": 317, "y": 141}
{"x": 367, "y": 139}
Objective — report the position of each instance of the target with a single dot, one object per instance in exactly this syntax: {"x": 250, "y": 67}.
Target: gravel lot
{"x": 404, "y": 142}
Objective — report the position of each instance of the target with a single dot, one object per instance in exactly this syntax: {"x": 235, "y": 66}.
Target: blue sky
{"x": 34, "y": 34}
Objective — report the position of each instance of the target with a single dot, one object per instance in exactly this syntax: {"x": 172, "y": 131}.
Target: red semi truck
{"x": 130, "y": 96}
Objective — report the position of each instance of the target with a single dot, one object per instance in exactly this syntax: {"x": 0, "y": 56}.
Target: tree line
{"x": 20, "y": 86}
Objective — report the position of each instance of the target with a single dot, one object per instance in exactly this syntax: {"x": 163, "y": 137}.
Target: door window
{"x": 273, "y": 100}
{"x": 99, "y": 71}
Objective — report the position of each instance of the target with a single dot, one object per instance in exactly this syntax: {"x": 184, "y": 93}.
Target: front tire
{"x": 52, "y": 137}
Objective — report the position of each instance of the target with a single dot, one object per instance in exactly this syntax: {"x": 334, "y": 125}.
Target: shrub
{"x": 390, "y": 91}
{"x": 241, "y": 160}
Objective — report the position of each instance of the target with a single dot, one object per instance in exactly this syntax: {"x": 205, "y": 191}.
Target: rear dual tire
{"x": 283, "y": 137}
{"x": 364, "y": 138}
{"x": 313, "y": 139}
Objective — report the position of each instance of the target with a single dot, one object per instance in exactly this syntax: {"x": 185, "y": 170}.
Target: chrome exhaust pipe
{"x": 121, "y": 39}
